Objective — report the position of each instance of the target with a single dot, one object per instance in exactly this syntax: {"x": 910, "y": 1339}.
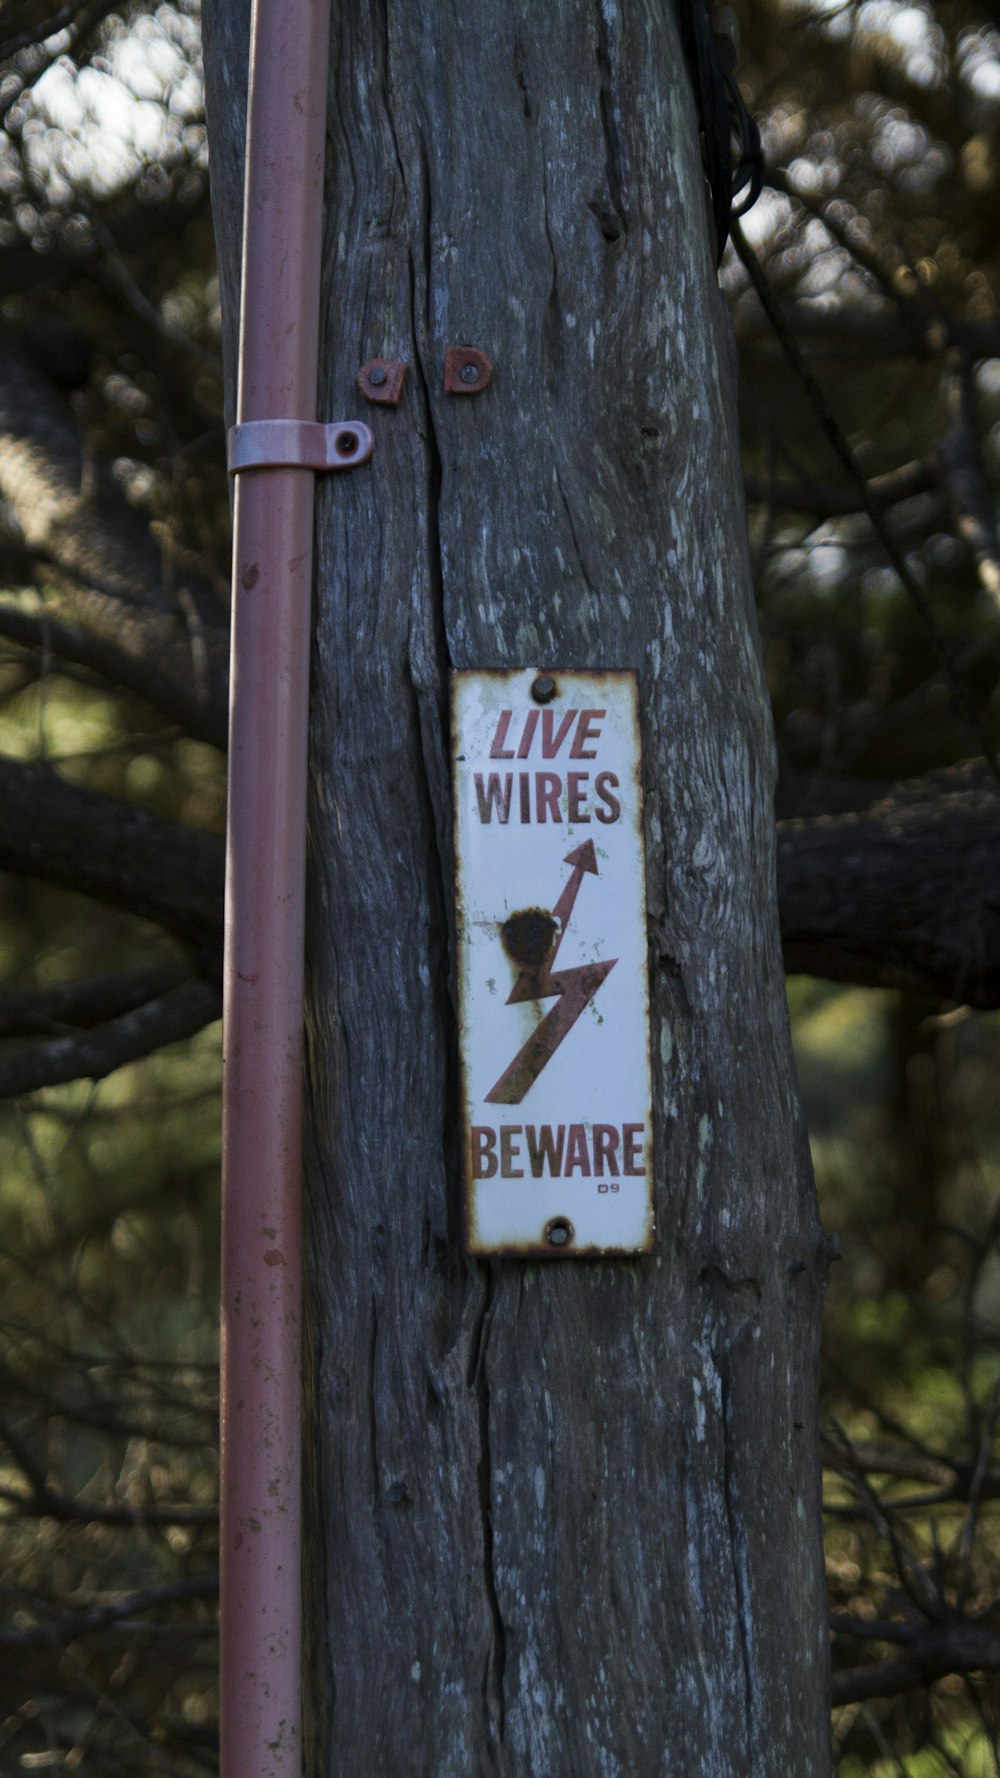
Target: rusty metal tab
{"x": 382, "y": 379}
{"x": 467, "y": 370}
{"x": 557, "y": 1132}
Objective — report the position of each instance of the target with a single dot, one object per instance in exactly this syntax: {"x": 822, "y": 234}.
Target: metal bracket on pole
{"x": 298, "y": 444}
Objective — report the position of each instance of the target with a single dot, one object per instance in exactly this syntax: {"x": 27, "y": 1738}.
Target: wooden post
{"x": 562, "y": 1519}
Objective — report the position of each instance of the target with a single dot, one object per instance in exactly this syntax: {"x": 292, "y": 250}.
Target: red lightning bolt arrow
{"x": 576, "y": 989}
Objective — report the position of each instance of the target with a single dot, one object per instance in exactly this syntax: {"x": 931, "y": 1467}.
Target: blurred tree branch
{"x": 121, "y": 668}
{"x": 110, "y": 574}
{"x": 60, "y": 1626}
{"x": 929, "y": 1651}
{"x": 78, "y": 18}
{"x": 51, "y": 1012}
{"x": 168, "y": 1018}
{"x": 901, "y": 893}
{"x": 114, "y": 851}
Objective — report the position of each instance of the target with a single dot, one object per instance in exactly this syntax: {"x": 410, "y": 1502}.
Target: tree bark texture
{"x": 564, "y": 1517}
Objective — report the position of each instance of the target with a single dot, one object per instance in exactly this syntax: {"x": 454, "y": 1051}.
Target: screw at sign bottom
{"x": 559, "y": 1232}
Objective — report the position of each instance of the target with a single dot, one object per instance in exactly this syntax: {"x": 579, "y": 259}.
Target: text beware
{"x": 560, "y": 1150}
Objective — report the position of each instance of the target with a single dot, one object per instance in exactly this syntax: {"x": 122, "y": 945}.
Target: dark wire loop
{"x": 749, "y": 169}
{"x": 730, "y": 138}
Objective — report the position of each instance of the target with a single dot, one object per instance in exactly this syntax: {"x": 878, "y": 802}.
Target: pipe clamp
{"x": 298, "y": 444}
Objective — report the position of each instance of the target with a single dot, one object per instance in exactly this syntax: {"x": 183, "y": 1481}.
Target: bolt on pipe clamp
{"x": 298, "y": 444}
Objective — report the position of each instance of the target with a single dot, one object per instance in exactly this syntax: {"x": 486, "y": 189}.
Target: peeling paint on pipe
{"x": 262, "y": 1145}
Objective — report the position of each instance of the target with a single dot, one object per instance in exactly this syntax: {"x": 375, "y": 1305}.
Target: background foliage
{"x": 865, "y": 295}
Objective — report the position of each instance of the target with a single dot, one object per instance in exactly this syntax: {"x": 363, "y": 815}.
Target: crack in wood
{"x": 744, "y": 1610}
{"x": 479, "y": 1380}
{"x": 610, "y": 217}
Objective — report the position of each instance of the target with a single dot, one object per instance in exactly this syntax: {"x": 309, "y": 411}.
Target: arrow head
{"x": 584, "y": 856}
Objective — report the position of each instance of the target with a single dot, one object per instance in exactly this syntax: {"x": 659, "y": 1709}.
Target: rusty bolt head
{"x": 467, "y": 370}
{"x": 381, "y": 380}
{"x": 543, "y": 689}
{"x": 346, "y": 443}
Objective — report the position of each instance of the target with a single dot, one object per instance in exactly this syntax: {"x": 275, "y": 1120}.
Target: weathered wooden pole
{"x": 562, "y": 1517}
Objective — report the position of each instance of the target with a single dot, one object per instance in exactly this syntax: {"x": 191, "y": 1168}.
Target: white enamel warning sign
{"x": 554, "y": 1001}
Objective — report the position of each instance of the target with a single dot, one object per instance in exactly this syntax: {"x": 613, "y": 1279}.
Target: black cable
{"x": 749, "y": 169}
{"x": 730, "y": 138}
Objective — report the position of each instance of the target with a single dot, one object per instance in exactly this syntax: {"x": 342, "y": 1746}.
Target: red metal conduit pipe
{"x": 262, "y": 1146}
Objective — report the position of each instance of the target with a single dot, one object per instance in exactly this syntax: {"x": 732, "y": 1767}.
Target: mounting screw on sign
{"x": 559, "y": 1232}
{"x": 551, "y": 918}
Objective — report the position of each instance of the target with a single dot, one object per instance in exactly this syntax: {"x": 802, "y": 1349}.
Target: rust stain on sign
{"x": 554, "y": 1012}
{"x": 528, "y": 937}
